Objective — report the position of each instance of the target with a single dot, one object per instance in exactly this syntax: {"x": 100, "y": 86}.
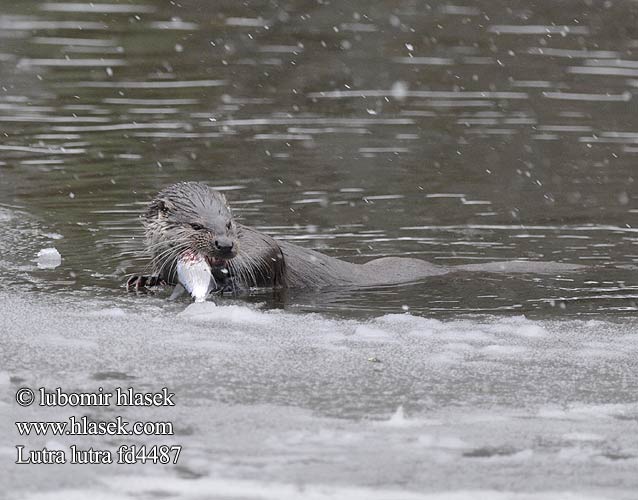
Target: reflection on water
{"x": 455, "y": 133}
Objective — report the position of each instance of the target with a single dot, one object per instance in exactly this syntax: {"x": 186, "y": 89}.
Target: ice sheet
{"x": 278, "y": 405}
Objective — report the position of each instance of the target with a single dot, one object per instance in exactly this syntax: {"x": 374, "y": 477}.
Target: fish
{"x": 194, "y": 274}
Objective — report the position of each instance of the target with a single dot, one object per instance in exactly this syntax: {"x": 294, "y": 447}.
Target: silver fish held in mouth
{"x": 195, "y": 244}
{"x": 191, "y": 237}
{"x": 194, "y": 275}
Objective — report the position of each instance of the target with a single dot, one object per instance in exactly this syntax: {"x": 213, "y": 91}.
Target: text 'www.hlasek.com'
{"x": 86, "y": 426}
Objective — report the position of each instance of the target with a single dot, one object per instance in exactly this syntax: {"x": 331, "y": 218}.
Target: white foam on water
{"x": 53, "y": 236}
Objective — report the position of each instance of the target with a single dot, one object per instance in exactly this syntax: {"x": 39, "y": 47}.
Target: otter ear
{"x": 160, "y": 206}
{"x": 164, "y": 205}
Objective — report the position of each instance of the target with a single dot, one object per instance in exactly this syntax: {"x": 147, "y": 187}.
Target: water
{"x": 457, "y": 133}
{"x": 453, "y": 133}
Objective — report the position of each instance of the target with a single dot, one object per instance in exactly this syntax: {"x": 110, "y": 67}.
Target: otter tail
{"x": 521, "y": 266}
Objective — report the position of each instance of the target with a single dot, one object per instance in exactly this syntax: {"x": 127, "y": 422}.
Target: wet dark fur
{"x": 191, "y": 215}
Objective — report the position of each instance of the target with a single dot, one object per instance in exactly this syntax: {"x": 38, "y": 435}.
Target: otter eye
{"x": 197, "y": 227}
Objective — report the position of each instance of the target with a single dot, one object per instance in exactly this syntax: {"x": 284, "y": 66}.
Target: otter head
{"x": 195, "y": 217}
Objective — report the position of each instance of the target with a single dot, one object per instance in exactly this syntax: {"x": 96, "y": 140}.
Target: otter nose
{"x": 224, "y": 245}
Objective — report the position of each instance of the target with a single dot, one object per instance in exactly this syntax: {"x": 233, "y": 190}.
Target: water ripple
{"x": 99, "y": 8}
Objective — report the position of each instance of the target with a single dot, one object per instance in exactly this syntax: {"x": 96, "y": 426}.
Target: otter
{"x": 193, "y": 218}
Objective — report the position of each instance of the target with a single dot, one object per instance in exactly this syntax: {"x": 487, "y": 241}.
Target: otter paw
{"x": 138, "y": 283}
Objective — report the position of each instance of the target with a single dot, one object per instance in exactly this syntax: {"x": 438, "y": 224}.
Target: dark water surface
{"x": 457, "y": 133}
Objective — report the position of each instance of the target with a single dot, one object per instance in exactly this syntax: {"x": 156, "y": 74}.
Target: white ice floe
{"x": 208, "y": 313}
{"x": 49, "y": 258}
